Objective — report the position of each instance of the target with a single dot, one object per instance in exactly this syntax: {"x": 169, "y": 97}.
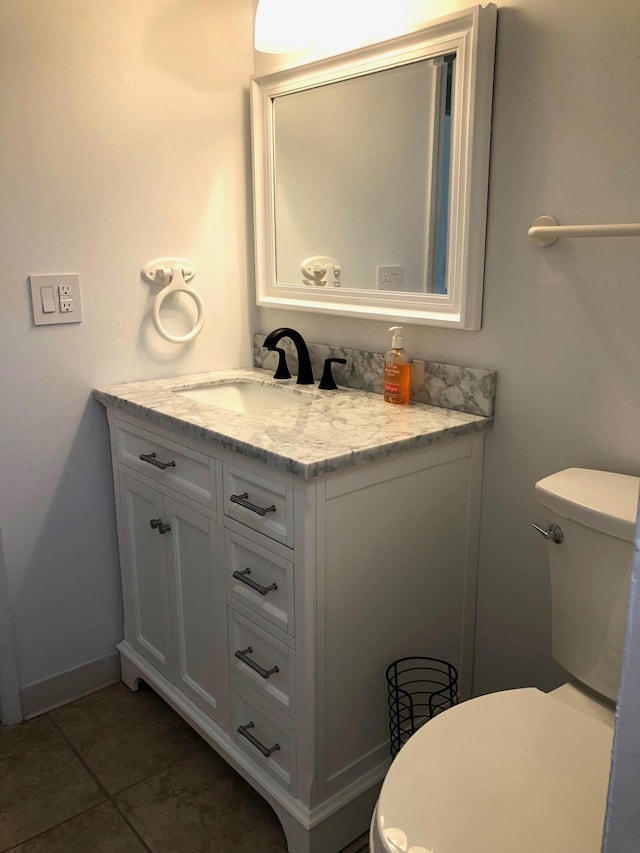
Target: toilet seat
{"x": 512, "y": 772}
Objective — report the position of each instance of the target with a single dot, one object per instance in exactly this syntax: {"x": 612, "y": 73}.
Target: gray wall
{"x": 622, "y": 829}
{"x": 560, "y": 324}
{"x": 124, "y": 138}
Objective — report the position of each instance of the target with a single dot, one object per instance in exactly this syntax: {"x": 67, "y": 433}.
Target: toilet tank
{"x": 590, "y": 570}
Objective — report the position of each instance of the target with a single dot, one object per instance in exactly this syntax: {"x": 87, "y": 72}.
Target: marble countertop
{"x": 327, "y": 431}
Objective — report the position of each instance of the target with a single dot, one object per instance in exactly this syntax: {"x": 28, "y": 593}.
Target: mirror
{"x": 370, "y": 177}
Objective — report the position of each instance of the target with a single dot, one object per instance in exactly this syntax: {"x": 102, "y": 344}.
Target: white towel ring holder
{"x": 176, "y": 272}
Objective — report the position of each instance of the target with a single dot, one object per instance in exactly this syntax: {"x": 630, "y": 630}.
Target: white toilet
{"x": 521, "y": 771}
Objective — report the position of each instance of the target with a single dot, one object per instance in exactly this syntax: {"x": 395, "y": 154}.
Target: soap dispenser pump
{"x": 397, "y": 370}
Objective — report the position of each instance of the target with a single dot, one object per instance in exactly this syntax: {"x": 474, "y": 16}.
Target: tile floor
{"x": 120, "y": 772}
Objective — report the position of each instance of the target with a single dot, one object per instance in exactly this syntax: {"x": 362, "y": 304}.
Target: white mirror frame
{"x": 469, "y": 34}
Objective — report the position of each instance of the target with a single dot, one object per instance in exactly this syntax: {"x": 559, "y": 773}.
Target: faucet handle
{"x": 328, "y": 383}
{"x": 282, "y": 371}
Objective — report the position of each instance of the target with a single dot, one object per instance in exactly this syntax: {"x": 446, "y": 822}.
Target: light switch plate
{"x": 67, "y": 301}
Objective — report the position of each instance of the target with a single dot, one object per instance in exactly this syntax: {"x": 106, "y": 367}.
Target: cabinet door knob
{"x": 265, "y": 750}
{"x": 243, "y": 656}
{"x": 159, "y": 525}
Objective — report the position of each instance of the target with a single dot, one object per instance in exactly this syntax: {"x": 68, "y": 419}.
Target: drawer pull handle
{"x": 265, "y": 673}
{"x": 242, "y": 500}
{"x": 243, "y": 577}
{"x": 151, "y": 459}
{"x": 159, "y": 525}
{"x": 265, "y": 750}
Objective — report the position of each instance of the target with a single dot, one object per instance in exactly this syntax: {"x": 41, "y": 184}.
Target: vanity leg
{"x": 336, "y": 831}
{"x": 298, "y": 838}
{"x": 130, "y": 673}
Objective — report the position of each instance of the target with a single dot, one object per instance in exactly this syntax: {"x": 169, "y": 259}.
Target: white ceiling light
{"x": 328, "y": 27}
{"x": 282, "y": 26}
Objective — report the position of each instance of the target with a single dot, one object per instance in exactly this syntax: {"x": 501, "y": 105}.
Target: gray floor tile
{"x": 203, "y": 806}
{"x": 124, "y": 736}
{"x": 99, "y": 830}
{"x": 42, "y": 782}
{"x": 360, "y": 845}
{"x": 176, "y": 792}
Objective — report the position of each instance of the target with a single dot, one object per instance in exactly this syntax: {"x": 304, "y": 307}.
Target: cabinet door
{"x": 198, "y": 606}
{"x": 145, "y": 578}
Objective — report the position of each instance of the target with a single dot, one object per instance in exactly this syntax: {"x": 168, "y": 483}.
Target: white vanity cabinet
{"x": 268, "y": 612}
{"x": 170, "y": 551}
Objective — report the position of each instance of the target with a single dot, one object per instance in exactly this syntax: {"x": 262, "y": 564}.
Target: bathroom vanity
{"x": 275, "y": 562}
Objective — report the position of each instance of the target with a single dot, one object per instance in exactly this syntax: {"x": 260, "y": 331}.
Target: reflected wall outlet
{"x": 389, "y": 278}
{"x": 55, "y": 299}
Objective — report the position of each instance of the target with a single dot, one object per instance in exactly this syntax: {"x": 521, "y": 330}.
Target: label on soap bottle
{"x": 396, "y": 382}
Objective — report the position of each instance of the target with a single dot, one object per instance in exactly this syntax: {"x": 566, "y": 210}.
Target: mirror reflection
{"x": 362, "y": 180}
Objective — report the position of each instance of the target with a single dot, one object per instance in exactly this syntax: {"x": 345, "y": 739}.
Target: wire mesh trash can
{"x": 419, "y": 688}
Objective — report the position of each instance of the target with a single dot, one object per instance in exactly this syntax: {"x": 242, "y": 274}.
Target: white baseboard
{"x": 42, "y": 696}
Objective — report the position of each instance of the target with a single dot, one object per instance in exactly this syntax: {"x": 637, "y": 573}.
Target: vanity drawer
{"x": 262, "y": 661}
{"x": 263, "y": 735}
{"x": 190, "y": 473}
{"x": 264, "y": 504}
{"x": 261, "y": 579}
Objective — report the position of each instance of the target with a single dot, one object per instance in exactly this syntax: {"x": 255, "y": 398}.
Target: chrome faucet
{"x": 305, "y": 373}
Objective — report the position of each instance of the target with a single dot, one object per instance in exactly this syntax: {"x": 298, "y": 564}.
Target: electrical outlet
{"x": 47, "y": 310}
{"x": 389, "y": 277}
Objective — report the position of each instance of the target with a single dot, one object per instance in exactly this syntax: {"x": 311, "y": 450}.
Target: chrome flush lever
{"x": 554, "y": 533}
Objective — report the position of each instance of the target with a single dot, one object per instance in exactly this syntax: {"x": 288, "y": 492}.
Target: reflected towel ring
{"x": 177, "y": 273}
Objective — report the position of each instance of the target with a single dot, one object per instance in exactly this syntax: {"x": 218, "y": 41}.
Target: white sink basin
{"x": 246, "y": 396}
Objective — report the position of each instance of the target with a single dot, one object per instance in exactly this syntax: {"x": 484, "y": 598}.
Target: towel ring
{"x": 177, "y": 274}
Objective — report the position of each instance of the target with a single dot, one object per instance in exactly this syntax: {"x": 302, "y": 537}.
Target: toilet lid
{"x": 602, "y": 500}
{"x": 511, "y": 772}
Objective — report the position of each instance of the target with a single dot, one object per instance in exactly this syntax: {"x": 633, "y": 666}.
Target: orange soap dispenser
{"x": 397, "y": 371}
